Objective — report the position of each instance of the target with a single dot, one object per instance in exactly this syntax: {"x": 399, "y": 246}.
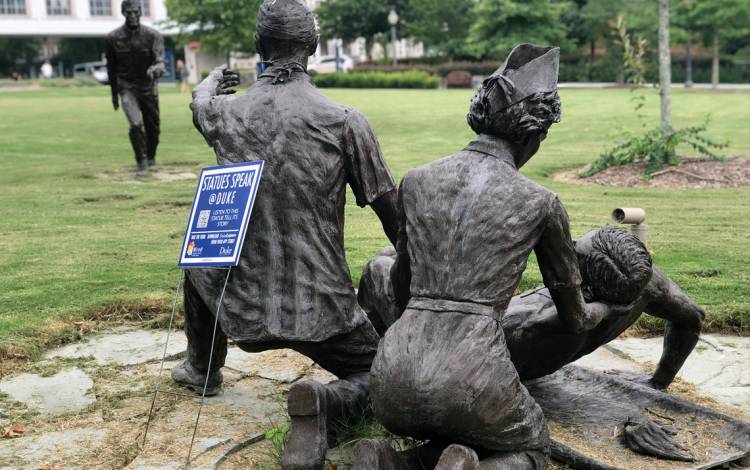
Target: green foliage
{"x": 77, "y": 50}
{"x": 502, "y": 24}
{"x": 441, "y": 24}
{"x": 657, "y": 149}
{"x": 219, "y": 25}
{"x": 729, "y": 19}
{"x": 633, "y": 52}
{"x": 374, "y": 79}
{"x": 277, "y": 436}
{"x": 17, "y": 49}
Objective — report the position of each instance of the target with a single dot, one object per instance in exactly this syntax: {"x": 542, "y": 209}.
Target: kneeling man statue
{"x": 292, "y": 287}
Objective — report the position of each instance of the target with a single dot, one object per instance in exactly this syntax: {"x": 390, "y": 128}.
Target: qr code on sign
{"x": 203, "y": 217}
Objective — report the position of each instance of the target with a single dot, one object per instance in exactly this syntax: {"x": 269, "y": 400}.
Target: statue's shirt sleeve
{"x": 555, "y": 251}
{"x": 367, "y": 173}
{"x": 208, "y": 115}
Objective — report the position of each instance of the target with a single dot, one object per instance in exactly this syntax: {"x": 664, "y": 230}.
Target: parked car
{"x": 327, "y": 64}
{"x": 95, "y": 70}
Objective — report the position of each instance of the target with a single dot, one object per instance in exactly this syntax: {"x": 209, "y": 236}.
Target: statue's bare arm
{"x": 386, "y": 209}
{"x": 684, "y": 320}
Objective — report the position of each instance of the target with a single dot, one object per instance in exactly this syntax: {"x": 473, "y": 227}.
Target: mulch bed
{"x": 691, "y": 173}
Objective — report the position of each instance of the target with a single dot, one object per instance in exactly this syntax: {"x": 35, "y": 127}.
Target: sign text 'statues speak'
{"x": 237, "y": 180}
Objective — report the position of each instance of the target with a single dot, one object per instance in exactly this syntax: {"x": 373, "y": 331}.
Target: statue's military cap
{"x": 528, "y": 70}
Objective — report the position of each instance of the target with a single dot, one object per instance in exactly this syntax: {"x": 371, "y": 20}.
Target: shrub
{"x": 657, "y": 149}
{"x": 407, "y": 79}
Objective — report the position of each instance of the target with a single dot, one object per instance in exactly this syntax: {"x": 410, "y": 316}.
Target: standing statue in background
{"x": 135, "y": 62}
{"x": 468, "y": 224}
{"x": 292, "y": 287}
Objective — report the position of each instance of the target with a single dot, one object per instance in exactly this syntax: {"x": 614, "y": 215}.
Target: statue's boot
{"x": 322, "y": 416}
{"x": 188, "y": 376}
{"x": 375, "y": 454}
{"x": 138, "y": 141}
{"x": 307, "y": 442}
{"x": 458, "y": 457}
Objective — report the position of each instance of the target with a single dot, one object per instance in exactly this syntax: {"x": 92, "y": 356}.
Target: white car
{"x": 327, "y": 64}
{"x": 95, "y": 70}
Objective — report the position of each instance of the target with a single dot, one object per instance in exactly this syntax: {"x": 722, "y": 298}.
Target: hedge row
{"x": 375, "y": 79}
{"x": 605, "y": 69}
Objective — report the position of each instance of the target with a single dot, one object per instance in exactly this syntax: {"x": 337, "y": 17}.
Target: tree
{"x": 14, "y": 51}
{"x": 501, "y": 24}
{"x": 685, "y": 26}
{"x": 223, "y": 26}
{"x": 665, "y": 68}
{"x": 721, "y": 20}
{"x": 441, "y": 24}
{"x": 352, "y": 19}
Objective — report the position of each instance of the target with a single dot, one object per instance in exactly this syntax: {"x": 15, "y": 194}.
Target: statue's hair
{"x": 489, "y": 113}
{"x": 134, "y": 3}
{"x": 617, "y": 268}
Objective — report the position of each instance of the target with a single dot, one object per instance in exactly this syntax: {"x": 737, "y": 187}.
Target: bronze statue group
{"x": 435, "y": 344}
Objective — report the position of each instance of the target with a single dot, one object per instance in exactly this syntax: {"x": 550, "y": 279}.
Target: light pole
{"x": 393, "y": 21}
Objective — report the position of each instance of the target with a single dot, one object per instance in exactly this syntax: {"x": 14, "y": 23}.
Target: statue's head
{"x": 615, "y": 265}
{"x": 285, "y": 28}
{"x": 131, "y": 10}
{"x": 519, "y": 102}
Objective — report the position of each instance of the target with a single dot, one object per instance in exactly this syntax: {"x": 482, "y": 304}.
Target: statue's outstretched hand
{"x": 226, "y": 80}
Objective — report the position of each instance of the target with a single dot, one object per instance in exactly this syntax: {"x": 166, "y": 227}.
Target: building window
{"x": 100, "y": 7}
{"x": 146, "y": 7}
{"x": 58, "y": 7}
{"x": 12, "y": 7}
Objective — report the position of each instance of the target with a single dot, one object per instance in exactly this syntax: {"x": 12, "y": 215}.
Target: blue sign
{"x": 219, "y": 217}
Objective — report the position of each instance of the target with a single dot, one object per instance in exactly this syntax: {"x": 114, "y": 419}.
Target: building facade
{"x": 69, "y": 18}
{"x": 51, "y": 21}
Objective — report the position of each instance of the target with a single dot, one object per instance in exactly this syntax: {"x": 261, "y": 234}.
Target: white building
{"x": 53, "y": 20}
{"x": 69, "y": 18}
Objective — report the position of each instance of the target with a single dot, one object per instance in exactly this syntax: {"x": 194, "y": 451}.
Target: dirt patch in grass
{"x": 168, "y": 206}
{"x": 108, "y": 198}
{"x": 691, "y": 173}
{"x": 152, "y": 311}
{"x": 166, "y": 173}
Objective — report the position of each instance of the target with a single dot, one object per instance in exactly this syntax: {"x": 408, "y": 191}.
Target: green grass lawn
{"x": 74, "y": 239}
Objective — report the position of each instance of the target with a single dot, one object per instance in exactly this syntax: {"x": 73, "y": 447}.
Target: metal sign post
{"x": 215, "y": 233}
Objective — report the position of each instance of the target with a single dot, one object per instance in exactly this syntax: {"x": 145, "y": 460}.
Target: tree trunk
{"x": 689, "y": 62}
{"x": 665, "y": 68}
{"x": 592, "y": 57}
{"x": 715, "y": 62}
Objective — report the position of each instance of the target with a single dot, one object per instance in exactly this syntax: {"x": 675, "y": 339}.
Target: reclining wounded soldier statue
{"x": 468, "y": 224}
{"x": 292, "y": 287}
{"x": 615, "y": 267}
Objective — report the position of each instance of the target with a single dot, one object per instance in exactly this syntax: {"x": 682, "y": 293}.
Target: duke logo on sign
{"x": 220, "y": 214}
